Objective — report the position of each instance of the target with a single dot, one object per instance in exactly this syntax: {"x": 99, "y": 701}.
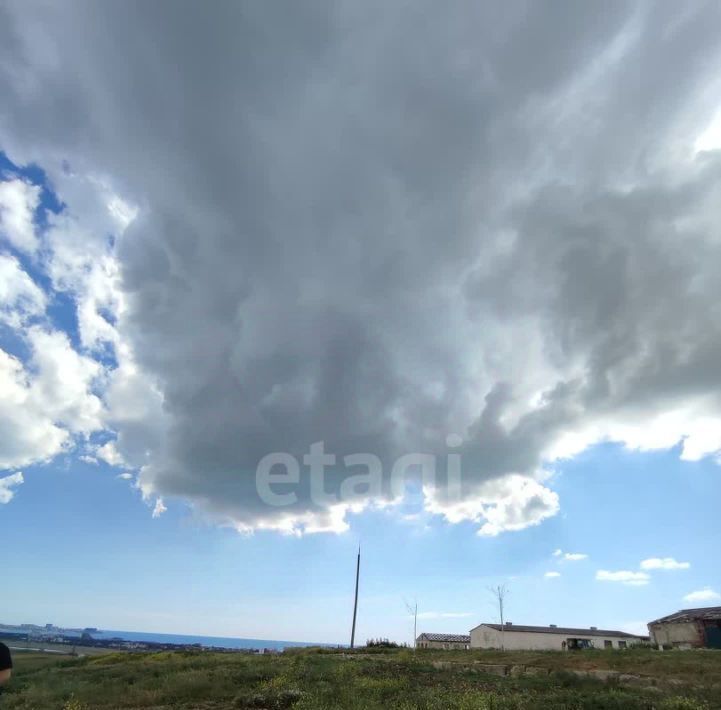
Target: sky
{"x": 277, "y": 280}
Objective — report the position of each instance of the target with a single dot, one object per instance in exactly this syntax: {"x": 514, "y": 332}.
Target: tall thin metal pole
{"x": 355, "y": 603}
{"x": 500, "y": 604}
{"x": 415, "y": 624}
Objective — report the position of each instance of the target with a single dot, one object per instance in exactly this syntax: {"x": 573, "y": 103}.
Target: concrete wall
{"x": 443, "y": 645}
{"x": 683, "y": 634}
{"x": 486, "y": 637}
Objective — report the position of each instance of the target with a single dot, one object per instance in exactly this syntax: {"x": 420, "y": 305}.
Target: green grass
{"x": 315, "y": 680}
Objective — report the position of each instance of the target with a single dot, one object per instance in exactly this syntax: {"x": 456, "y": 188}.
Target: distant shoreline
{"x": 138, "y": 640}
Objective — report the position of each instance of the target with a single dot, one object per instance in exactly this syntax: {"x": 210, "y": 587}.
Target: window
{"x": 622, "y": 644}
{"x": 608, "y": 644}
{"x": 578, "y": 644}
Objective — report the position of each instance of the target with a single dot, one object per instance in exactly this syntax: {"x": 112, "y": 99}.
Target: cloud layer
{"x": 8, "y": 484}
{"x": 372, "y": 225}
{"x": 668, "y": 563}
{"x": 703, "y": 595}
{"x": 633, "y": 579}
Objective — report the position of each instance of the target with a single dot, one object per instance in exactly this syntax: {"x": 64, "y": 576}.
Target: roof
{"x": 565, "y": 630}
{"x": 447, "y": 638}
{"x": 706, "y": 613}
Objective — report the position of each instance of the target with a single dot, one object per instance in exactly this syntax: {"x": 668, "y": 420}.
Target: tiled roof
{"x": 707, "y": 613}
{"x": 566, "y": 631}
{"x": 446, "y": 638}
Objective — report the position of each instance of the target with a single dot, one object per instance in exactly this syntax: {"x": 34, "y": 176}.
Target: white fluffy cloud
{"x": 27, "y": 434}
{"x": 108, "y": 452}
{"x": 633, "y": 579}
{"x": 56, "y": 396}
{"x": 570, "y": 556}
{"x": 550, "y": 575}
{"x": 332, "y": 519}
{"x": 703, "y": 595}
{"x": 20, "y": 297}
{"x": 63, "y": 382}
{"x": 44, "y": 404}
{"x": 7, "y": 484}
{"x": 81, "y": 262}
{"x": 51, "y": 397}
{"x": 667, "y": 563}
{"x": 159, "y": 508}
{"x": 508, "y": 503}
{"x": 18, "y": 201}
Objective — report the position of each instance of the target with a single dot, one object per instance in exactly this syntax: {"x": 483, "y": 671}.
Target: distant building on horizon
{"x": 688, "y": 628}
{"x": 549, "y": 638}
{"x": 446, "y": 642}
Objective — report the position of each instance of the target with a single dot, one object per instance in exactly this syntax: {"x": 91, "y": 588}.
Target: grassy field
{"x": 60, "y": 648}
{"x": 313, "y": 680}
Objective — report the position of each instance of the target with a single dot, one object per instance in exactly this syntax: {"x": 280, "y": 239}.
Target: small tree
{"x": 499, "y": 593}
{"x": 413, "y": 609}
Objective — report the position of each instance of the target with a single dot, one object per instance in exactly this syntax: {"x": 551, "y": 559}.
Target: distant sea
{"x": 182, "y": 639}
{"x": 219, "y": 641}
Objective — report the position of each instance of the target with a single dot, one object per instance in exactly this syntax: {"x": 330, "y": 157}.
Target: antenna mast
{"x": 355, "y": 603}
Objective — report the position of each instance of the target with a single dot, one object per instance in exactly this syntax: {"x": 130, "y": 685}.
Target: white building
{"x": 549, "y": 638}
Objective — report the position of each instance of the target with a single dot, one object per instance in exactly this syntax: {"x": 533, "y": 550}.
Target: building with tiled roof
{"x": 688, "y": 628}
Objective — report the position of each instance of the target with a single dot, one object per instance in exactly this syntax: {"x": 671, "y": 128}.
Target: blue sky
{"x": 89, "y": 553}
{"x": 476, "y": 238}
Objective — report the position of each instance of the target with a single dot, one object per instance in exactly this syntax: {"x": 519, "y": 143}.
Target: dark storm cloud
{"x": 374, "y": 224}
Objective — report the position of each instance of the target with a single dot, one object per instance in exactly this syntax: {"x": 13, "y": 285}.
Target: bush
{"x": 74, "y": 704}
{"x": 683, "y": 704}
{"x": 384, "y": 643}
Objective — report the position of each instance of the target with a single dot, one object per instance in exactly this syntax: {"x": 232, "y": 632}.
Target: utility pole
{"x": 355, "y": 603}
